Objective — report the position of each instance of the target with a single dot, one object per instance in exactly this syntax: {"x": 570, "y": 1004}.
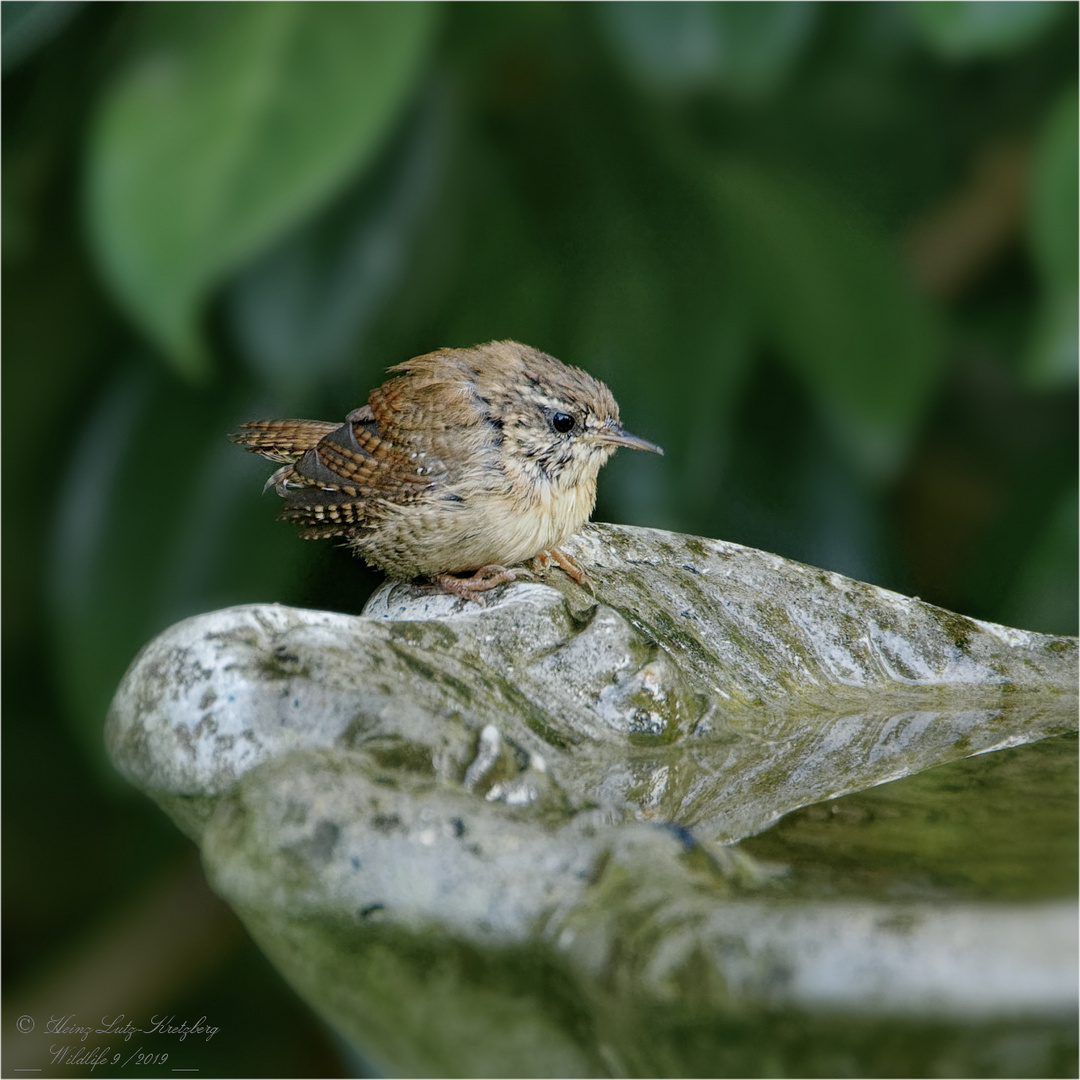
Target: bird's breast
{"x": 536, "y": 517}
{"x": 476, "y": 519}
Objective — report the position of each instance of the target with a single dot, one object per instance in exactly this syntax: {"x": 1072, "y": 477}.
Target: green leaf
{"x": 1054, "y": 221}
{"x": 227, "y": 126}
{"x": 739, "y": 47}
{"x": 30, "y": 24}
{"x": 1053, "y": 225}
{"x": 1054, "y": 346}
{"x": 964, "y": 28}
{"x": 302, "y": 313}
{"x": 1043, "y": 597}
{"x": 831, "y": 293}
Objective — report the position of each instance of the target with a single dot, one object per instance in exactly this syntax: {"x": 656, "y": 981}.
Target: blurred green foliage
{"x": 826, "y": 255}
{"x": 224, "y": 127}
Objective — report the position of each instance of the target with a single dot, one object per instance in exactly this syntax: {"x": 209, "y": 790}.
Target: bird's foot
{"x": 469, "y": 588}
{"x": 567, "y": 563}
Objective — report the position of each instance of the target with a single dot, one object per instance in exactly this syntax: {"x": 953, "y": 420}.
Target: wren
{"x": 467, "y": 462}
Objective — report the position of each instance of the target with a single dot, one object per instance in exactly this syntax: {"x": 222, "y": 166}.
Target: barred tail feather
{"x": 283, "y": 441}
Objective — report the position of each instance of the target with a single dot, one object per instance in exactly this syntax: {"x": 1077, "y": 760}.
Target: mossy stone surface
{"x": 637, "y": 829}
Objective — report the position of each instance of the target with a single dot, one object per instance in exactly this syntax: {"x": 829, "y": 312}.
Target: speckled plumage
{"x": 459, "y": 463}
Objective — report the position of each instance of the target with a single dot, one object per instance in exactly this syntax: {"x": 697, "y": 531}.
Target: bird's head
{"x": 558, "y": 421}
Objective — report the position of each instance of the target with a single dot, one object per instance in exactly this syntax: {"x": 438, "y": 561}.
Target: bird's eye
{"x": 562, "y": 422}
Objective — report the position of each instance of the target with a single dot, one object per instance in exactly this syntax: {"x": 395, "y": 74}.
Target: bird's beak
{"x": 613, "y": 435}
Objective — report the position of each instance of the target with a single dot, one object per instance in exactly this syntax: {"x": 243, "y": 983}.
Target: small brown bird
{"x": 469, "y": 461}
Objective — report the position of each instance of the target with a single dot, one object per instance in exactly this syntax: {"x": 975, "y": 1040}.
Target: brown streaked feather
{"x": 283, "y": 441}
{"x": 342, "y": 483}
{"x": 433, "y": 394}
{"x": 321, "y": 517}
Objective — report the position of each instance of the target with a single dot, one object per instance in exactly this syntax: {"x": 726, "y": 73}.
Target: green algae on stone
{"x": 534, "y": 837}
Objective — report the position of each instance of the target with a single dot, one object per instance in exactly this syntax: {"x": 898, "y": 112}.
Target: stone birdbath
{"x": 724, "y": 814}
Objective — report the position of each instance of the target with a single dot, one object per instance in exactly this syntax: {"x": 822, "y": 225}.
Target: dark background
{"x": 825, "y": 254}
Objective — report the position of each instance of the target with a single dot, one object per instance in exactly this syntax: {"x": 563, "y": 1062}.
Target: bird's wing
{"x": 342, "y": 484}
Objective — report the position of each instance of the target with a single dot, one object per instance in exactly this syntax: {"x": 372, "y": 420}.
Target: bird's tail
{"x": 284, "y": 441}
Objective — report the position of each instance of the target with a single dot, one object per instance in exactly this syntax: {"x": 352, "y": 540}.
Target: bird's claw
{"x": 567, "y": 563}
{"x": 470, "y": 588}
